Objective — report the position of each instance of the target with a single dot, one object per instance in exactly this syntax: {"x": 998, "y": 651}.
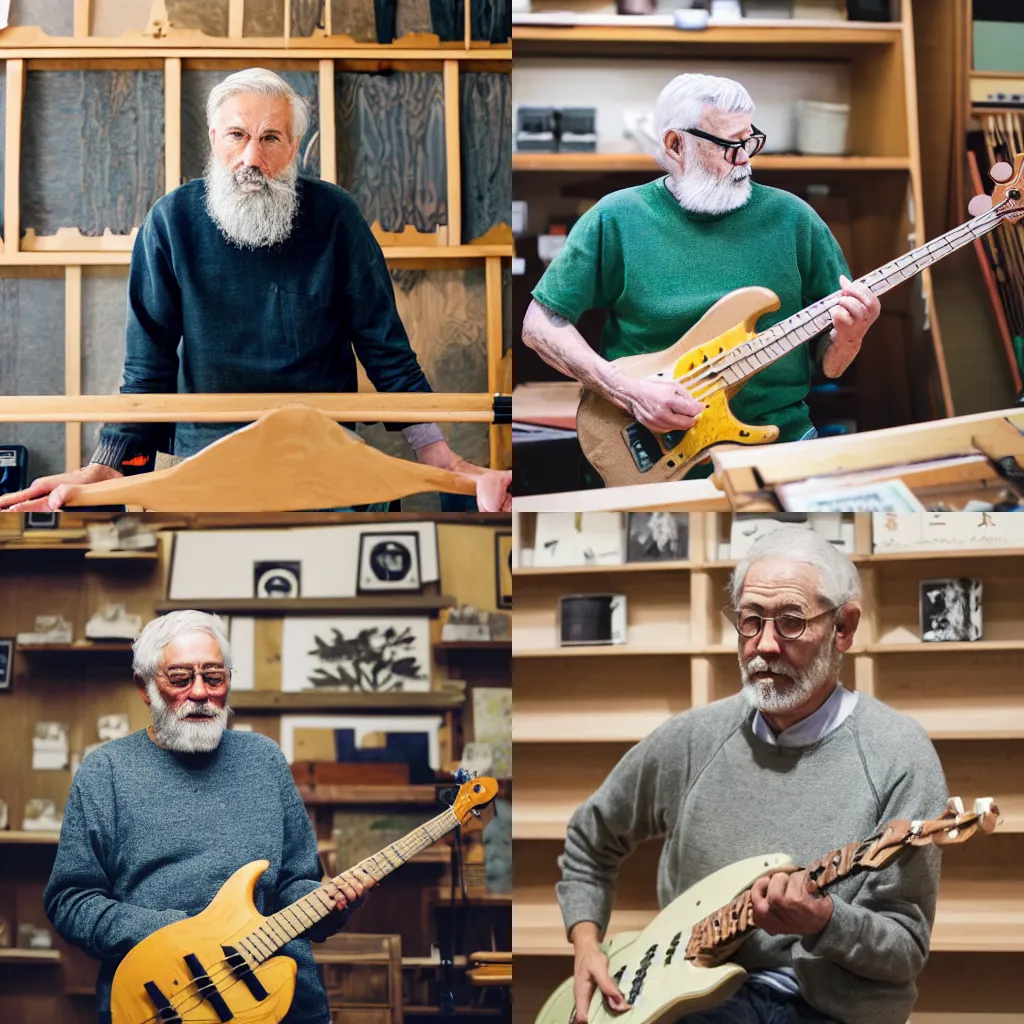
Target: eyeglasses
{"x": 787, "y": 625}
{"x": 751, "y": 145}
{"x": 214, "y": 676}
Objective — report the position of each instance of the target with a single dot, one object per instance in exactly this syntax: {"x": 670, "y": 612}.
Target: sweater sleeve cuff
{"x": 419, "y": 435}
{"x": 836, "y": 938}
{"x": 580, "y": 902}
{"x": 114, "y": 449}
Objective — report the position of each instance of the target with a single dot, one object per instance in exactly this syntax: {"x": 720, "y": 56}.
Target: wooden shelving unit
{"x": 412, "y": 604}
{"x": 30, "y": 956}
{"x": 604, "y": 162}
{"x": 29, "y": 838}
{"x": 278, "y": 702}
{"x": 571, "y": 728}
{"x": 78, "y": 647}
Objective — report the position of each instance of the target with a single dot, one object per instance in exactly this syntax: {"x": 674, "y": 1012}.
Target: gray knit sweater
{"x": 149, "y": 836}
{"x": 718, "y": 794}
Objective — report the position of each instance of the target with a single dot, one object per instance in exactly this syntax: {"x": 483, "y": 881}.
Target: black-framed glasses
{"x": 212, "y": 675}
{"x": 788, "y": 625}
{"x": 751, "y": 145}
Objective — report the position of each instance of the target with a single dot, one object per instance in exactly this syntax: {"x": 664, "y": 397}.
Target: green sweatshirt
{"x": 657, "y": 269}
{"x": 718, "y": 793}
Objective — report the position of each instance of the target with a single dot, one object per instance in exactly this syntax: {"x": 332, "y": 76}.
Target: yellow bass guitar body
{"x": 625, "y": 453}
{"x": 161, "y": 961}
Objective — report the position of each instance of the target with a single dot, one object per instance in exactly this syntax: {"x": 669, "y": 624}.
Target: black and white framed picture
{"x": 585, "y": 619}
{"x": 277, "y": 579}
{"x": 6, "y": 662}
{"x": 503, "y": 569}
{"x": 389, "y": 563}
{"x": 42, "y": 520}
{"x": 950, "y": 610}
{"x": 657, "y": 537}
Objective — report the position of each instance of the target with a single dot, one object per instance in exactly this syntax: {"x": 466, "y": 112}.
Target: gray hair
{"x": 148, "y": 650}
{"x": 265, "y": 83}
{"x": 840, "y": 581}
{"x": 682, "y": 103}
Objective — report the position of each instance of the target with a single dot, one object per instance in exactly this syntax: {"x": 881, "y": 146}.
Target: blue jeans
{"x": 755, "y": 1004}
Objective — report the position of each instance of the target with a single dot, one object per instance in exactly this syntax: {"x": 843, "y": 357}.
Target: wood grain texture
{"x": 412, "y": 16}
{"x": 195, "y": 138}
{"x": 32, "y": 362}
{"x": 54, "y": 17}
{"x": 391, "y": 150}
{"x": 263, "y": 18}
{"x": 209, "y": 16}
{"x": 3, "y": 141}
{"x": 111, "y": 18}
{"x": 446, "y": 18}
{"x": 486, "y": 134}
{"x": 307, "y": 16}
{"x": 491, "y": 20}
{"x": 92, "y": 150}
{"x": 354, "y": 18}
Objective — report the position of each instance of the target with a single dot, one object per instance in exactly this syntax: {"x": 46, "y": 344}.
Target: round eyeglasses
{"x": 788, "y": 625}
{"x": 751, "y": 145}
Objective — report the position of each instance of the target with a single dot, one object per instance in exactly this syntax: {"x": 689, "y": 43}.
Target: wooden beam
{"x": 468, "y": 28}
{"x": 82, "y": 18}
{"x": 172, "y": 123}
{"x": 492, "y": 293}
{"x": 73, "y": 362}
{"x": 287, "y": 23}
{"x": 312, "y": 48}
{"x": 328, "y": 135}
{"x": 12, "y": 156}
{"x": 453, "y": 152}
{"x": 236, "y": 11}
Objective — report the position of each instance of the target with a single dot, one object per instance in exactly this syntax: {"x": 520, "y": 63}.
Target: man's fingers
{"x": 606, "y": 983}
{"x": 36, "y": 489}
{"x": 777, "y": 887}
{"x": 583, "y": 992}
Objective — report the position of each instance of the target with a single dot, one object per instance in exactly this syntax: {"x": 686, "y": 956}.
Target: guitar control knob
{"x": 1001, "y": 172}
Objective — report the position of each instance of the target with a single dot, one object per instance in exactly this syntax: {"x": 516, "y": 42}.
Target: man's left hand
{"x": 493, "y": 486}
{"x": 783, "y": 906}
{"x": 858, "y": 309}
{"x": 355, "y": 884}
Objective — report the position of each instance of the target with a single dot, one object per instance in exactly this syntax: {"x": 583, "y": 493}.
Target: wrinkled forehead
{"x": 255, "y": 112}
{"x": 725, "y": 126}
{"x": 779, "y": 582}
{"x": 192, "y": 648}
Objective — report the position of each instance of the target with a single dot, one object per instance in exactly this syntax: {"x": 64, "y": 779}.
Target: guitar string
{"x": 221, "y": 970}
{"x": 753, "y": 346}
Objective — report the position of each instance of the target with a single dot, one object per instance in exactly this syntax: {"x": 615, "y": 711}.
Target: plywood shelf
{"x": 616, "y": 650}
{"x": 613, "y": 724}
{"x": 931, "y": 647}
{"x": 279, "y": 702}
{"x": 339, "y": 795}
{"x": 576, "y": 570}
{"x": 30, "y": 956}
{"x": 279, "y": 606}
{"x": 642, "y": 162}
{"x": 123, "y": 556}
{"x": 252, "y": 48}
{"x": 78, "y": 647}
{"x": 28, "y": 838}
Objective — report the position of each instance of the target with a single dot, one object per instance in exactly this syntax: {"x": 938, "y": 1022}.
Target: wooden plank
{"x": 495, "y": 341}
{"x": 367, "y": 794}
{"x": 172, "y": 123}
{"x": 73, "y": 361}
{"x": 684, "y": 496}
{"x": 467, "y": 38}
{"x": 311, "y": 49}
{"x": 236, "y": 16}
{"x": 485, "y": 111}
{"x": 452, "y": 148}
{"x": 81, "y": 18}
{"x": 15, "y": 84}
{"x": 410, "y": 604}
{"x": 269, "y": 633}
{"x": 267, "y": 700}
{"x": 328, "y": 132}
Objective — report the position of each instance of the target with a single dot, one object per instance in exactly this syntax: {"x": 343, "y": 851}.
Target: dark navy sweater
{"x": 205, "y": 316}
{"x": 149, "y": 836}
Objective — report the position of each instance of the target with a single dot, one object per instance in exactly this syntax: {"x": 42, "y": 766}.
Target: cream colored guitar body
{"x": 160, "y": 960}
{"x": 602, "y": 426}
{"x": 670, "y": 986}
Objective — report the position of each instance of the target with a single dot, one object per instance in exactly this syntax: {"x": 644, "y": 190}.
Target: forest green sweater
{"x": 658, "y": 268}
{"x": 718, "y": 794}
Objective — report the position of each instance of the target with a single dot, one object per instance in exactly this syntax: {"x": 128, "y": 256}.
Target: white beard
{"x": 771, "y": 697}
{"x": 251, "y": 220}
{"x": 175, "y": 731}
{"x": 699, "y": 191}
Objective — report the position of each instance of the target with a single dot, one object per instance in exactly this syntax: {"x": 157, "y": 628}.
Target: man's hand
{"x": 783, "y": 906}
{"x": 493, "y": 486}
{"x": 661, "y": 405}
{"x": 48, "y": 493}
{"x": 858, "y": 309}
{"x": 590, "y": 972}
{"x": 354, "y": 886}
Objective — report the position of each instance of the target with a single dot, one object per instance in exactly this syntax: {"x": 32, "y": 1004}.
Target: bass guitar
{"x": 723, "y": 350}
{"x": 677, "y": 964}
{"x": 223, "y": 964}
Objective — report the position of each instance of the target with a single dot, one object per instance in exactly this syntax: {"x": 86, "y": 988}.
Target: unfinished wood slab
{"x": 355, "y": 19}
{"x": 315, "y": 464}
{"x": 211, "y": 17}
{"x": 112, "y": 18}
{"x": 54, "y": 17}
{"x": 486, "y": 134}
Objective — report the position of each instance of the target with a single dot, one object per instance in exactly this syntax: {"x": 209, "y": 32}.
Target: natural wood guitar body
{"x": 160, "y": 959}
{"x": 600, "y": 424}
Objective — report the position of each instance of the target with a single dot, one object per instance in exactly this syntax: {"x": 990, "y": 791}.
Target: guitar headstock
{"x": 1008, "y": 195}
{"x": 473, "y": 795}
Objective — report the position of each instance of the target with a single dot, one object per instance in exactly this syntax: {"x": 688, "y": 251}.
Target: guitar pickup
{"x": 241, "y": 970}
{"x": 165, "y": 1012}
{"x": 647, "y": 448}
{"x": 207, "y": 989}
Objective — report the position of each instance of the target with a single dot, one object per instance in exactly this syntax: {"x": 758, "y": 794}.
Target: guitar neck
{"x": 297, "y": 918}
{"x": 782, "y": 338}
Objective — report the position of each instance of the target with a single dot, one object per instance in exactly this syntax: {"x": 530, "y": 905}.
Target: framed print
{"x": 503, "y": 568}
{"x": 6, "y": 662}
{"x": 389, "y": 563}
{"x": 658, "y": 537}
{"x": 42, "y": 520}
{"x": 277, "y": 579}
{"x": 591, "y": 619}
{"x": 950, "y": 610}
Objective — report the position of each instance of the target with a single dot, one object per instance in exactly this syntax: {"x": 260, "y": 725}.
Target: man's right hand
{"x": 590, "y": 972}
{"x": 662, "y": 405}
{"x": 48, "y": 493}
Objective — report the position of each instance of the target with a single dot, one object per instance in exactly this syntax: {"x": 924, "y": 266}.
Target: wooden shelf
{"x": 280, "y": 702}
{"x": 952, "y": 722}
{"x": 641, "y": 162}
{"x": 972, "y": 646}
{"x": 30, "y": 956}
{"x": 16, "y": 838}
{"x": 277, "y": 606}
{"x": 78, "y": 647}
{"x": 575, "y": 570}
{"x": 613, "y": 724}
{"x": 251, "y": 48}
{"x": 492, "y": 646}
{"x": 460, "y": 1011}
{"x": 123, "y": 556}
{"x": 940, "y": 553}
{"x": 619, "y": 650}
{"x": 329, "y": 795}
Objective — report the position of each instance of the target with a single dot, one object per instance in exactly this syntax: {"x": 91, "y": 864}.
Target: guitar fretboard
{"x": 304, "y": 913}
{"x": 748, "y": 358}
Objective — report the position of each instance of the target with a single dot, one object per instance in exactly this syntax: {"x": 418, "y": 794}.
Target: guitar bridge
{"x": 648, "y": 448}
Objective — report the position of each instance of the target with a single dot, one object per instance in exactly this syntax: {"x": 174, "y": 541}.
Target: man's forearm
{"x": 560, "y": 345}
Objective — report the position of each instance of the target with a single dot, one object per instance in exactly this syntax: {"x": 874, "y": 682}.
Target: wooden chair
{"x": 363, "y": 977}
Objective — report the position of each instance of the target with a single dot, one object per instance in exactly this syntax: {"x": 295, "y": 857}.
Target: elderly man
{"x": 794, "y": 763}
{"x": 255, "y": 280}
{"x": 156, "y": 822}
{"x": 658, "y": 256}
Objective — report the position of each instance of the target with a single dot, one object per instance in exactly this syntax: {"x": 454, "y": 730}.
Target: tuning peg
{"x": 955, "y": 806}
{"x": 979, "y": 204}
{"x": 1000, "y": 172}
{"x": 983, "y": 805}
